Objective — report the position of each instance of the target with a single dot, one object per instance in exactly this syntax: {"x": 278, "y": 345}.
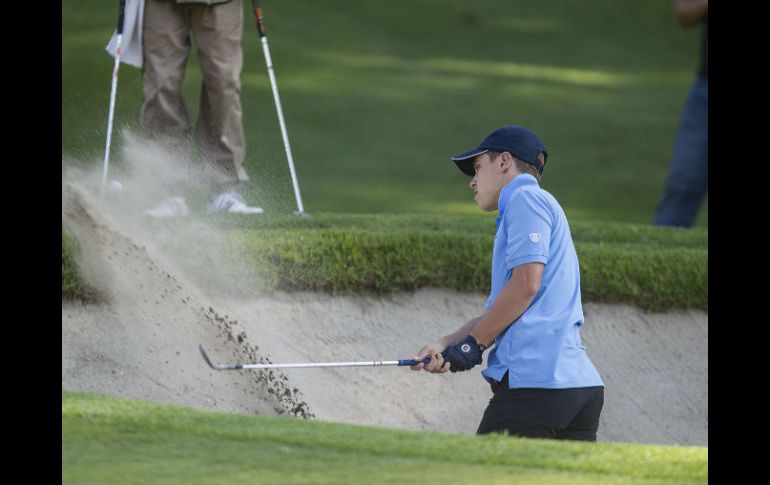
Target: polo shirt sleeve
{"x": 528, "y": 227}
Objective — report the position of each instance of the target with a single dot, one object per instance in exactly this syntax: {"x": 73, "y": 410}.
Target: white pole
{"x": 118, "y": 42}
{"x": 284, "y": 134}
{"x": 112, "y": 112}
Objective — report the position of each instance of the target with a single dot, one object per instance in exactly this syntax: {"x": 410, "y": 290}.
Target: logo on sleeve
{"x": 535, "y": 237}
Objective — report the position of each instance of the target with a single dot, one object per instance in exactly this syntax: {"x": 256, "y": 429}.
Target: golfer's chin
{"x": 486, "y": 206}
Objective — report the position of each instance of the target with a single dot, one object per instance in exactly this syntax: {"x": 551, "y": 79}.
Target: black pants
{"x": 567, "y": 414}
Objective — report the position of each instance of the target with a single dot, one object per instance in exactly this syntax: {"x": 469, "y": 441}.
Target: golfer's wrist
{"x": 447, "y": 340}
{"x": 484, "y": 345}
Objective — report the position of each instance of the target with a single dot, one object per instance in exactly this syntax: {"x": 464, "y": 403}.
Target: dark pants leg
{"x": 688, "y": 176}
{"x": 569, "y": 414}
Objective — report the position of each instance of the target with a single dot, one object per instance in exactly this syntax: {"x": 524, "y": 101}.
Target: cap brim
{"x": 464, "y": 161}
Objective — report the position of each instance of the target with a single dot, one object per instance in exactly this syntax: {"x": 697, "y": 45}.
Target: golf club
{"x": 274, "y": 85}
{"x": 121, "y": 14}
{"x": 369, "y": 363}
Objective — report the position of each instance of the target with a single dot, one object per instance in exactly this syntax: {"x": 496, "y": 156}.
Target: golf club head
{"x": 206, "y": 357}
{"x": 217, "y": 366}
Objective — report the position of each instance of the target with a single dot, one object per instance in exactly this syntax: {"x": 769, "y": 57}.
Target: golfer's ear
{"x": 505, "y": 160}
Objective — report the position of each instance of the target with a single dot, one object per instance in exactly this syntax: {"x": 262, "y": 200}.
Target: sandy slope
{"x": 142, "y": 342}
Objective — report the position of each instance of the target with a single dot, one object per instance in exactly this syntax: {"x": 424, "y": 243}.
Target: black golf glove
{"x": 463, "y": 355}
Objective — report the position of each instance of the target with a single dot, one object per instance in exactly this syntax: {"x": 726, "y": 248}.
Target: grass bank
{"x": 650, "y": 267}
{"x": 73, "y": 284}
{"x": 115, "y": 440}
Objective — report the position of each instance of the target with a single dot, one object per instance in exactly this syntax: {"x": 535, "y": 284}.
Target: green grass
{"x": 73, "y": 285}
{"x": 115, "y": 440}
{"x": 483, "y": 224}
{"x": 651, "y": 267}
{"x": 378, "y": 94}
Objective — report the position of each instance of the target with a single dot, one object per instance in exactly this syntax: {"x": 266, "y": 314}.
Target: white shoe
{"x": 169, "y": 207}
{"x": 233, "y": 203}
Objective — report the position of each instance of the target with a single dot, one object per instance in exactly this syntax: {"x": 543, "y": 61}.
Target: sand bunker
{"x": 142, "y": 342}
{"x": 655, "y": 366}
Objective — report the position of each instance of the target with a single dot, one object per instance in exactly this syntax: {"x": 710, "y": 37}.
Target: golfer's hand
{"x": 464, "y": 355}
{"x": 436, "y": 364}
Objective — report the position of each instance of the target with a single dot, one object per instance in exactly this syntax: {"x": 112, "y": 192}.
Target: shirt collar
{"x": 518, "y": 181}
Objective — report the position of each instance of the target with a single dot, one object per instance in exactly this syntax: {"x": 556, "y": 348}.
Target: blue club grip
{"x": 411, "y": 362}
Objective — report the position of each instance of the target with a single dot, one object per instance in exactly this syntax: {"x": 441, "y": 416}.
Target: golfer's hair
{"x": 521, "y": 165}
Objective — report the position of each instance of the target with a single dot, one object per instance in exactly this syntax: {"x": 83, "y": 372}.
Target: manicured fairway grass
{"x": 378, "y": 94}
{"x": 112, "y": 440}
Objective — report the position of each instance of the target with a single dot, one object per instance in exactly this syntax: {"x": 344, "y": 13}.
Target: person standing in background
{"x": 687, "y": 181}
{"x": 216, "y": 27}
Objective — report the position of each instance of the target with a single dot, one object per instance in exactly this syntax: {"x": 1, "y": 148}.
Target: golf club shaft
{"x": 276, "y": 97}
{"x": 113, "y": 91}
{"x": 368, "y": 363}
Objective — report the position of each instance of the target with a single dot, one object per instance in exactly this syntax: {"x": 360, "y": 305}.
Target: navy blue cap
{"x": 520, "y": 142}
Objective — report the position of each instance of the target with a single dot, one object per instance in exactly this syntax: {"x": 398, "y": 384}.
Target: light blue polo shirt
{"x": 542, "y": 348}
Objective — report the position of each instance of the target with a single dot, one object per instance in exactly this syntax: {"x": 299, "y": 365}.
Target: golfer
{"x": 543, "y": 383}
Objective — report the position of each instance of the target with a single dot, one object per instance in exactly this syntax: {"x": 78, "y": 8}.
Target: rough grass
{"x": 116, "y": 440}
{"x": 650, "y": 267}
{"x": 73, "y": 285}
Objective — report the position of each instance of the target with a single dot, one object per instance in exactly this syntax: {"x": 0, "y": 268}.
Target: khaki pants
{"x": 217, "y": 32}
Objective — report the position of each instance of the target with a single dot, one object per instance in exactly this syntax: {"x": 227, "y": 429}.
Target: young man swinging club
{"x": 543, "y": 383}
